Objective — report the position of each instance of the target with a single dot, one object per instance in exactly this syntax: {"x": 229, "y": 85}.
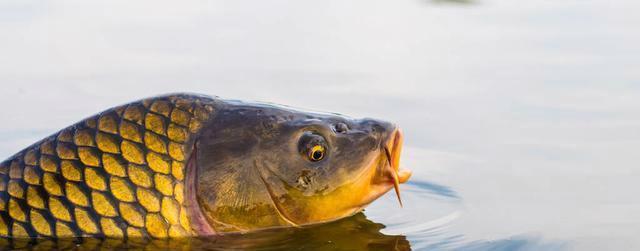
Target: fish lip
{"x": 390, "y": 175}
{"x": 392, "y": 149}
{"x": 389, "y": 165}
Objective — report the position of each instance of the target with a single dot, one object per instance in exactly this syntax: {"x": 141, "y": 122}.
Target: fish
{"x": 189, "y": 165}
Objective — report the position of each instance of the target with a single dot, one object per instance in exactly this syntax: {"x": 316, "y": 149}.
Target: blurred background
{"x": 522, "y": 118}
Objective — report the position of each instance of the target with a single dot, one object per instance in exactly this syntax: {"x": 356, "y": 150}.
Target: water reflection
{"x": 524, "y": 243}
{"x": 434, "y": 188}
{"x": 353, "y": 233}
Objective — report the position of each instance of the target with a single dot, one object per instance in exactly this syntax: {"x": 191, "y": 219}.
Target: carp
{"x": 184, "y": 165}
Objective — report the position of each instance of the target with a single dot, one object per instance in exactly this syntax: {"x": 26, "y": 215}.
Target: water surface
{"x": 521, "y": 117}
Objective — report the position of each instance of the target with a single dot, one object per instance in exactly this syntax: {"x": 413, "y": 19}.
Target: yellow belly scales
{"x": 117, "y": 174}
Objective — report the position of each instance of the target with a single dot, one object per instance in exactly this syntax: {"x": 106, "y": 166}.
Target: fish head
{"x": 260, "y": 166}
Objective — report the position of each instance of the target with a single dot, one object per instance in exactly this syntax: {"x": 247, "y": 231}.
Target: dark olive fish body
{"x": 190, "y": 165}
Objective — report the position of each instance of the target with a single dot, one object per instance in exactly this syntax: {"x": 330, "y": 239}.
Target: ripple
{"x": 431, "y": 210}
{"x": 433, "y": 188}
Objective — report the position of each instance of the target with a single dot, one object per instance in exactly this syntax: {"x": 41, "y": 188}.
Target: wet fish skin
{"x": 119, "y": 173}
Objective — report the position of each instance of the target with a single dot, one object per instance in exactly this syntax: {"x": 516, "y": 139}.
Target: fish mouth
{"x": 390, "y": 175}
{"x": 392, "y": 151}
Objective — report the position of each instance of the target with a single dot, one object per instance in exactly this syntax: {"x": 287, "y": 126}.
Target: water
{"x": 521, "y": 117}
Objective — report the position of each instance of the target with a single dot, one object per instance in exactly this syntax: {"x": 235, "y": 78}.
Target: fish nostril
{"x": 341, "y": 128}
{"x": 377, "y": 128}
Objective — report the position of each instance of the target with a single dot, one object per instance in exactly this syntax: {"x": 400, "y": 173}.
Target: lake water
{"x": 522, "y": 118}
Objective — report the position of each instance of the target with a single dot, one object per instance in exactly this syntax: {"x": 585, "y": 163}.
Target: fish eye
{"x": 313, "y": 146}
{"x": 316, "y": 153}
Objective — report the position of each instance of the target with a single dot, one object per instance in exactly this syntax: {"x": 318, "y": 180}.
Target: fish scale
{"x": 117, "y": 174}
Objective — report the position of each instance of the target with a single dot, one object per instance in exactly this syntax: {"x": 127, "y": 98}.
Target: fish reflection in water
{"x": 353, "y": 233}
